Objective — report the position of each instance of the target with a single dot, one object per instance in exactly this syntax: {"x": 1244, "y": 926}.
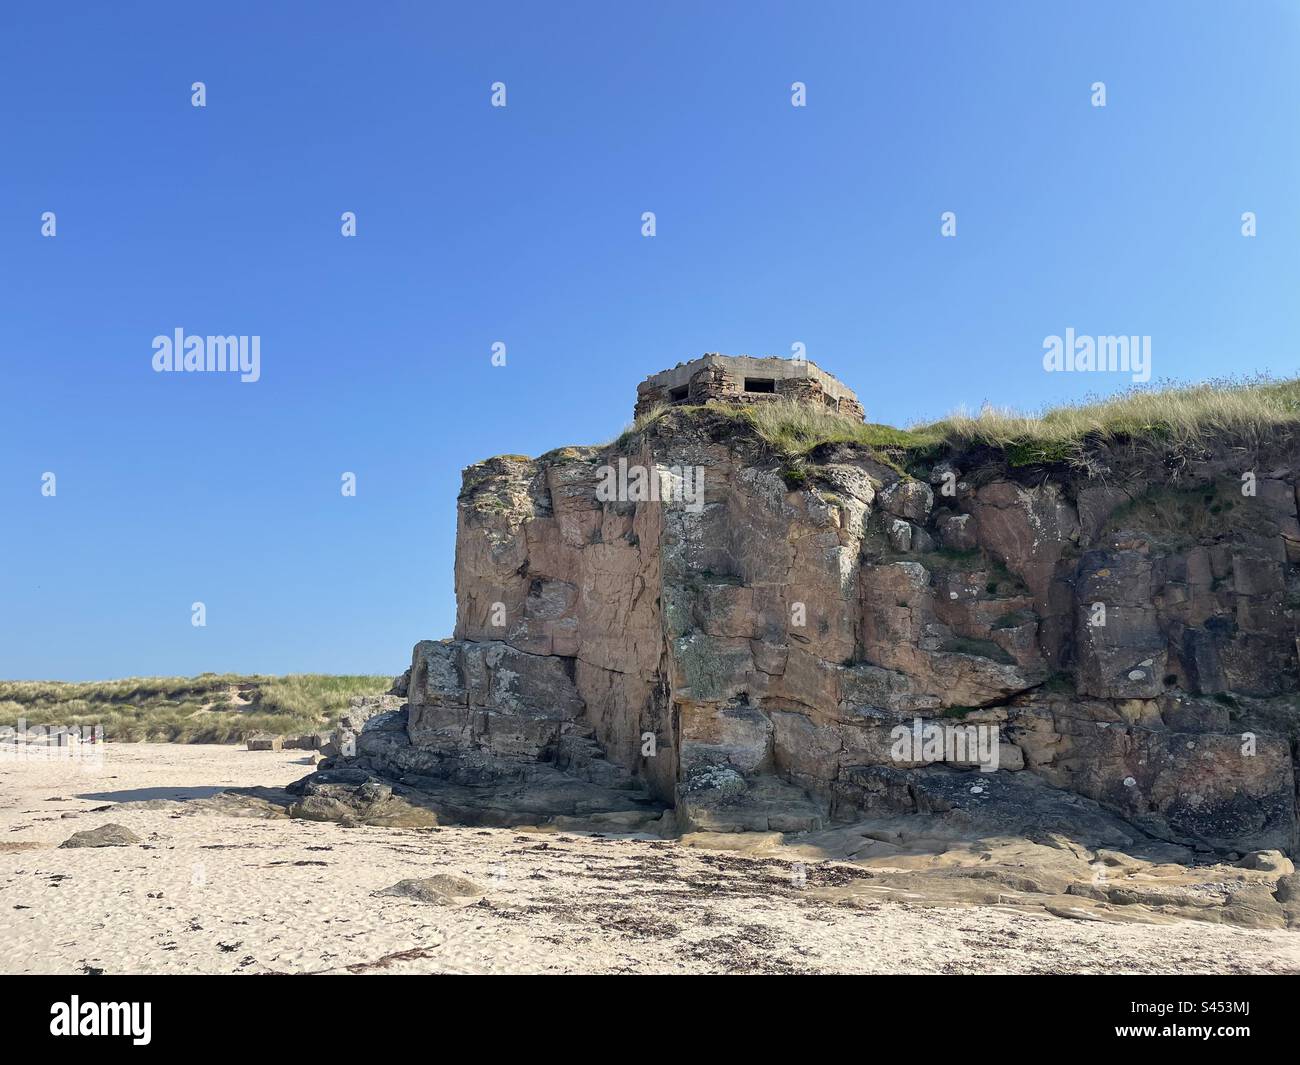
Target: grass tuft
{"x": 211, "y": 708}
{"x": 1246, "y": 410}
{"x": 639, "y": 425}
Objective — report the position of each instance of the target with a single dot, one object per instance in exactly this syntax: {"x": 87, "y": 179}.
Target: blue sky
{"x": 476, "y": 224}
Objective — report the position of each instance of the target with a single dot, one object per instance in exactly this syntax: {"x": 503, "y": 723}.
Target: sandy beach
{"x": 217, "y": 894}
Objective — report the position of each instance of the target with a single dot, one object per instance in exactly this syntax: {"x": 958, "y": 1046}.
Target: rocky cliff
{"x": 778, "y": 652}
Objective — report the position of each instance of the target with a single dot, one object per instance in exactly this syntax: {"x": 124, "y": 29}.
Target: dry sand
{"x": 218, "y": 894}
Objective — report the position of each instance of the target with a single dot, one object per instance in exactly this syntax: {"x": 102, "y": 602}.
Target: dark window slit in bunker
{"x": 676, "y": 395}
{"x": 760, "y": 384}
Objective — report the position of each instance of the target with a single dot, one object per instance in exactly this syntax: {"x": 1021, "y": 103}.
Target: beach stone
{"x": 103, "y": 836}
{"x": 308, "y": 741}
{"x": 1269, "y": 862}
{"x": 440, "y": 890}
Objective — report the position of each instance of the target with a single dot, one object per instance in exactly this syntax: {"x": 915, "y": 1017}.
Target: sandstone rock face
{"x": 361, "y": 708}
{"x": 783, "y": 650}
{"x": 1173, "y": 766}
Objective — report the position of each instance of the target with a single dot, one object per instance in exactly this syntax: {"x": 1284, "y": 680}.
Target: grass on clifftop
{"x": 794, "y": 428}
{"x": 211, "y": 708}
{"x": 1245, "y": 411}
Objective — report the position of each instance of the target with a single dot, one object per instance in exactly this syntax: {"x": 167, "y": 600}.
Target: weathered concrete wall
{"x": 721, "y": 379}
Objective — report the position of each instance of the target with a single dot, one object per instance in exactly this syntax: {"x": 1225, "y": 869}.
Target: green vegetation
{"x": 794, "y": 429}
{"x": 1177, "y": 517}
{"x": 211, "y": 708}
{"x": 945, "y": 559}
{"x": 1038, "y": 452}
{"x": 1245, "y": 411}
{"x": 1015, "y": 619}
{"x": 1004, "y": 582}
{"x": 795, "y": 476}
{"x": 641, "y": 424}
{"x": 980, "y": 648}
{"x": 1059, "y": 683}
{"x": 959, "y": 711}
{"x": 791, "y": 429}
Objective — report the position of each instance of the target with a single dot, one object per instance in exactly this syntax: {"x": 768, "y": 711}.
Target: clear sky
{"x": 775, "y": 225}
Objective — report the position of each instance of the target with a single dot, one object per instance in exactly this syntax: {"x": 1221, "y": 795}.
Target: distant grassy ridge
{"x": 210, "y": 708}
{"x": 1244, "y": 411}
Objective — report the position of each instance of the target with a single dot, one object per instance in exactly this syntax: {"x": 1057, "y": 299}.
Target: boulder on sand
{"x": 103, "y": 836}
{"x": 440, "y": 890}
